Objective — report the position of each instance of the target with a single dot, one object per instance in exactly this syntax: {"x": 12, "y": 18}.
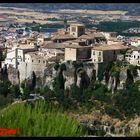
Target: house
{"x": 15, "y": 56}
{"x": 135, "y": 41}
{"x": 93, "y": 38}
{"x": 77, "y": 29}
{"x": 109, "y": 35}
{"x": 106, "y": 53}
{"x": 77, "y": 53}
{"x": 133, "y": 56}
{"x": 26, "y": 42}
{"x": 113, "y": 40}
{"x": 81, "y": 42}
{"x": 62, "y": 38}
{"x": 32, "y": 62}
{"x": 53, "y": 51}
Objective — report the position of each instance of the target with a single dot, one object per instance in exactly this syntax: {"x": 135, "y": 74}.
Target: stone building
{"x": 62, "y": 38}
{"x": 133, "y": 56}
{"x": 16, "y": 55}
{"x": 135, "y": 41}
{"x": 77, "y": 53}
{"x": 33, "y": 62}
{"x": 93, "y": 38}
{"x": 53, "y": 51}
{"x": 106, "y": 53}
{"x": 77, "y": 30}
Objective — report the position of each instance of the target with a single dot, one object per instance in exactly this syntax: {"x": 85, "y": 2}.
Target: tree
{"x": 15, "y": 90}
{"x": 5, "y": 87}
{"x": 33, "y": 80}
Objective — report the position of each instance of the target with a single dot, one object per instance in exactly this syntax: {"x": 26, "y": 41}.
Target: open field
{"x": 23, "y": 15}
{"x": 27, "y": 13}
{"x": 92, "y": 12}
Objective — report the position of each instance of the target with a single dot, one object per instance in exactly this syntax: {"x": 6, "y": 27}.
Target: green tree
{"x": 15, "y": 91}
{"x": 33, "y": 80}
{"x": 5, "y": 87}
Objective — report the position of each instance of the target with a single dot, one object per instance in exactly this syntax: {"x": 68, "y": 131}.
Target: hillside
{"x": 133, "y": 8}
{"x": 40, "y": 119}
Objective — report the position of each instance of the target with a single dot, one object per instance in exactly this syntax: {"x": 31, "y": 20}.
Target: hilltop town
{"x": 92, "y": 74}
{"x": 29, "y": 51}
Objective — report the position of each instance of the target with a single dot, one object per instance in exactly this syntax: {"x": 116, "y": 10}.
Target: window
{"x": 138, "y": 57}
{"x": 39, "y": 61}
{"x": 93, "y": 52}
{"x": 32, "y": 60}
{"x": 99, "y": 53}
{"x": 99, "y": 59}
{"x": 43, "y": 61}
{"x": 134, "y": 56}
{"x": 81, "y": 29}
{"x": 73, "y": 29}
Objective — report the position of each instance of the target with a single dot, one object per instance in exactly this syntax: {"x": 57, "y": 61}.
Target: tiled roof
{"x": 110, "y": 47}
{"x": 92, "y": 36}
{"x": 66, "y": 36}
{"x": 53, "y": 45}
{"x": 77, "y": 46}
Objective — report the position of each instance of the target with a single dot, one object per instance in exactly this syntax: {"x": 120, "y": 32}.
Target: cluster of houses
{"x": 132, "y": 30}
{"x": 75, "y": 43}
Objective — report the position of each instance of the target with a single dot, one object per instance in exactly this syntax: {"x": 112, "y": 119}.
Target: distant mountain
{"x": 132, "y": 8}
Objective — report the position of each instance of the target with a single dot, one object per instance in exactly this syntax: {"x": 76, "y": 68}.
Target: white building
{"x": 16, "y": 56}
{"x": 133, "y": 57}
{"x": 33, "y": 62}
{"x": 135, "y": 41}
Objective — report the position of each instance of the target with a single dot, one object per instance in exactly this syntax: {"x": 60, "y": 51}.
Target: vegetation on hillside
{"x": 123, "y": 104}
{"x": 118, "y": 26}
{"x": 40, "y": 119}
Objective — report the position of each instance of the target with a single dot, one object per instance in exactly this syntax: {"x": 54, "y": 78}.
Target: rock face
{"x": 69, "y": 76}
{"x": 105, "y": 126}
{"x": 122, "y": 78}
{"x": 50, "y": 74}
{"x": 79, "y": 75}
{"x": 13, "y": 75}
{"x": 116, "y": 83}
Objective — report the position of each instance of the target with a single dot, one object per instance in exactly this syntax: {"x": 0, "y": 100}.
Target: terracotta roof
{"x": 35, "y": 55}
{"x": 75, "y": 41}
{"x": 110, "y": 47}
{"x": 77, "y": 24}
{"x": 66, "y": 36}
{"x": 53, "y": 45}
{"x": 77, "y": 46}
{"x": 92, "y": 36}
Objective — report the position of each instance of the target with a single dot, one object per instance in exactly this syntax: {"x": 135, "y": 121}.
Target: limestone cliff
{"x": 81, "y": 74}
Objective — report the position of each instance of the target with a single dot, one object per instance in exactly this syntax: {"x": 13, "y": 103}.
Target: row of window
{"x": 94, "y": 53}
{"x": 135, "y": 56}
{"x": 39, "y": 61}
{"x": 100, "y": 53}
{"x": 99, "y": 59}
